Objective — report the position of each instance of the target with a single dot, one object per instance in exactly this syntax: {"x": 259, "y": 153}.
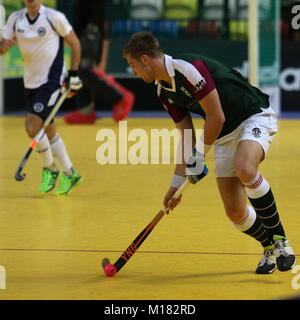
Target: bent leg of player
{"x": 70, "y": 177}
{"x": 50, "y": 172}
{"x": 256, "y": 140}
{"x": 245, "y": 219}
{"x": 87, "y": 111}
{"x": 123, "y": 107}
{"x": 234, "y": 197}
{"x": 40, "y": 103}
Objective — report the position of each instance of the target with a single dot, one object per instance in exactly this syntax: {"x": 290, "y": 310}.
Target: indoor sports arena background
{"x": 215, "y": 28}
{"x": 51, "y": 246}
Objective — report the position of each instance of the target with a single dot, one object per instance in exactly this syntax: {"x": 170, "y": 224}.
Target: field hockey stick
{"x": 19, "y": 176}
{"x": 111, "y": 269}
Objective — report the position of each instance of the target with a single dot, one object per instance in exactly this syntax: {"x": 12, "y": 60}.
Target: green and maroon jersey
{"x": 195, "y": 76}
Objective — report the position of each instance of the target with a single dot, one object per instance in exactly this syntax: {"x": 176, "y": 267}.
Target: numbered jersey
{"x": 41, "y": 44}
{"x": 195, "y": 76}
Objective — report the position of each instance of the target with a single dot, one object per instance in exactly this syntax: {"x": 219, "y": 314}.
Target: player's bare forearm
{"x": 104, "y": 55}
{"x": 1, "y": 46}
{"x": 212, "y": 128}
{"x": 188, "y": 141}
{"x": 75, "y": 56}
{"x": 214, "y": 117}
{"x": 6, "y": 44}
{"x": 73, "y": 42}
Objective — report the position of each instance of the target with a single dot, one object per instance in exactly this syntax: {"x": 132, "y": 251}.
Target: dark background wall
{"x": 231, "y": 53}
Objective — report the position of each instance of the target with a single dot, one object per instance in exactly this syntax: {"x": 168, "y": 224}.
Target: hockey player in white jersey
{"x": 40, "y": 33}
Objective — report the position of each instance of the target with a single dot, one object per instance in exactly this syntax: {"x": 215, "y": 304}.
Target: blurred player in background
{"x": 40, "y": 33}
{"x": 98, "y": 87}
{"x": 239, "y": 123}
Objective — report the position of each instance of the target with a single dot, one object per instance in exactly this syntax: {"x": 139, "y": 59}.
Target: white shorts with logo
{"x": 260, "y": 127}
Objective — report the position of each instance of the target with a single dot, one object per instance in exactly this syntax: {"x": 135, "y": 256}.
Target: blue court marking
{"x": 290, "y": 115}
{"x": 151, "y": 114}
{"x": 108, "y": 114}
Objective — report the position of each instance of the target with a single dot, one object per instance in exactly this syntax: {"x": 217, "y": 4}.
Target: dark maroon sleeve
{"x": 177, "y": 114}
{"x": 204, "y": 87}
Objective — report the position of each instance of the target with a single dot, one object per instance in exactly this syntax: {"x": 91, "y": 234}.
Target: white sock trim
{"x": 247, "y": 221}
{"x": 60, "y": 153}
{"x": 44, "y": 151}
{"x": 249, "y": 183}
{"x": 257, "y": 188}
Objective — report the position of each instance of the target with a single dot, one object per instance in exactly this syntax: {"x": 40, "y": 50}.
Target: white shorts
{"x": 260, "y": 127}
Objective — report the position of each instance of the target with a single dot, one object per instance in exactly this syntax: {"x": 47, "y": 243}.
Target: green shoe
{"x": 67, "y": 183}
{"x": 49, "y": 178}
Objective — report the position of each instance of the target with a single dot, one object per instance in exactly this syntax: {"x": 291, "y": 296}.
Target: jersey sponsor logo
{"x": 20, "y": 30}
{"x": 200, "y": 85}
{"x": 38, "y": 107}
{"x": 171, "y": 101}
{"x": 256, "y": 132}
{"x": 183, "y": 89}
{"x": 41, "y": 31}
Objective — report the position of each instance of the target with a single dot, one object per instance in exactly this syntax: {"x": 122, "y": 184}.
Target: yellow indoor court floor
{"x": 51, "y": 247}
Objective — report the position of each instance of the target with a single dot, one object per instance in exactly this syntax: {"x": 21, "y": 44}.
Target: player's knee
{"x": 31, "y": 131}
{"x": 245, "y": 170}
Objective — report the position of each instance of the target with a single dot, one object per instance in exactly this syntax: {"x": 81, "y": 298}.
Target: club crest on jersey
{"x": 256, "y": 132}
{"x": 200, "y": 85}
{"x": 41, "y": 31}
{"x": 38, "y": 107}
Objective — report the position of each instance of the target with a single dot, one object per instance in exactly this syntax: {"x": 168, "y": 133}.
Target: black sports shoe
{"x": 267, "y": 263}
{"x": 285, "y": 257}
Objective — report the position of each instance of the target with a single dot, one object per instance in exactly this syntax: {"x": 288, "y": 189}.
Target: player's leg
{"x": 33, "y": 124}
{"x": 245, "y": 219}
{"x": 248, "y": 155}
{"x": 39, "y": 102}
{"x": 109, "y": 90}
{"x": 70, "y": 177}
{"x": 123, "y": 107}
{"x": 86, "y": 113}
{"x": 233, "y": 194}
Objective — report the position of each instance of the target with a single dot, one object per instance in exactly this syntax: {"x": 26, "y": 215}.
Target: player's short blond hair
{"x": 142, "y": 43}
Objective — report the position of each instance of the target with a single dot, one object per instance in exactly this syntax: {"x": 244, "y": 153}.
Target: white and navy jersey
{"x": 195, "y": 76}
{"x": 41, "y": 44}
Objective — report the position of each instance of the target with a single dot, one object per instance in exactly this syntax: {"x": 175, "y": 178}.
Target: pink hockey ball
{"x": 110, "y": 270}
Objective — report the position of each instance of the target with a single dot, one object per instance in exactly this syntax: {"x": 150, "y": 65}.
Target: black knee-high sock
{"x": 266, "y": 209}
{"x": 252, "y": 225}
{"x": 261, "y": 197}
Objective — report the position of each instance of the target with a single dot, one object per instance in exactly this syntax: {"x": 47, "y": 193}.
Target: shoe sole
{"x": 67, "y": 193}
{"x": 284, "y": 269}
{"x": 269, "y": 272}
{"x": 45, "y": 192}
